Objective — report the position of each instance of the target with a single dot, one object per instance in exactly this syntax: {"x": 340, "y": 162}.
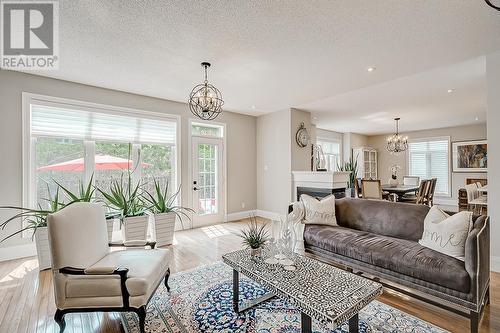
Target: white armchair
{"x": 88, "y": 277}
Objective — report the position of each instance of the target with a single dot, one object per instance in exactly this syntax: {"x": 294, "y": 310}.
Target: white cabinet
{"x": 367, "y": 162}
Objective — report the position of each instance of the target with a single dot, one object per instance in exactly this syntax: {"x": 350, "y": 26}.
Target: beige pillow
{"x": 446, "y": 234}
{"x": 319, "y": 212}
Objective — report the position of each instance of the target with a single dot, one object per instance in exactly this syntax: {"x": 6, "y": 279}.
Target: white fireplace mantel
{"x": 319, "y": 179}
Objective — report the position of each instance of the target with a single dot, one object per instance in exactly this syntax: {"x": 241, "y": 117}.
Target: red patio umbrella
{"x": 102, "y": 162}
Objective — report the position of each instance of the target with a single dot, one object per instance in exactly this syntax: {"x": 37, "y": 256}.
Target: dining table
{"x": 399, "y": 189}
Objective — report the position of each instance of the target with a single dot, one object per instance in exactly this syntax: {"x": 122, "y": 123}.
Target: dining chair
{"x": 371, "y": 189}
{"x": 430, "y": 194}
{"x": 88, "y": 277}
{"x": 419, "y": 197}
{"x": 474, "y": 199}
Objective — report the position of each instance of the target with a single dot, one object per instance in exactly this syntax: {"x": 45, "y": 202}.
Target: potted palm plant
{"x": 165, "y": 211}
{"x": 351, "y": 167}
{"x": 35, "y": 221}
{"x": 254, "y": 237}
{"x": 126, "y": 201}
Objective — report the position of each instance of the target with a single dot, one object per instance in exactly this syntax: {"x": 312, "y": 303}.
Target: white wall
{"x": 241, "y": 140}
{"x": 493, "y": 88}
{"x": 459, "y": 133}
{"x": 350, "y": 141}
{"x": 274, "y": 162}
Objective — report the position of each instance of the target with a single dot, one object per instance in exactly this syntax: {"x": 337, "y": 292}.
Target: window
{"x": 430, "y": 158}
{"x": 331, "y": 150}
{"x": 71, "y": 141}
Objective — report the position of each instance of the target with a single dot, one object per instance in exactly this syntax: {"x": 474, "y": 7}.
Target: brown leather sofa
{"x": 380, "y": 238}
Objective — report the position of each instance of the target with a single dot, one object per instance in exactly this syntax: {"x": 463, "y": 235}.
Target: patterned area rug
{"x": 200, "y": 300}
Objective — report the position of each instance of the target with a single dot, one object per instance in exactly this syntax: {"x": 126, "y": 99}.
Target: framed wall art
{"x": 470, "y": 156}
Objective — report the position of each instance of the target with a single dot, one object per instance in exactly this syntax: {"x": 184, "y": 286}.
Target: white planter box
{"x": 109, "y": 226}
{"x": 42, "y": 248}
{"x": 135, "y": 227}
{"x": 164, "y": 225}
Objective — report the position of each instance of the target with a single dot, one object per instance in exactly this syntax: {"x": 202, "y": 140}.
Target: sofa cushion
{"x": 446, "y": 234}
{"x": 397, "y": 255}
{"x": 319, "y": 211}
{"x": 386, "y": 218}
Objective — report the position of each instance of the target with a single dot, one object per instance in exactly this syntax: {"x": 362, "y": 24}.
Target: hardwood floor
{"x": 27, "y": 298}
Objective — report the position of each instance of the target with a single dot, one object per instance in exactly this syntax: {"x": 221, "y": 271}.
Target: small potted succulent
{"x": 165, "y": 211}
{"x": 254, "y": 237}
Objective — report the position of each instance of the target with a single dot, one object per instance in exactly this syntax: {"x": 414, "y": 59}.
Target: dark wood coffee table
{"x": 320, "y": 291}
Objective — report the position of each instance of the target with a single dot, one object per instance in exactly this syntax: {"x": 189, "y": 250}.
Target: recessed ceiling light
{"x": 450, "y": 90}
{"x": 371, "y": 69}
{"x": 253, "y": 107}
{"x": 477, "y": 118}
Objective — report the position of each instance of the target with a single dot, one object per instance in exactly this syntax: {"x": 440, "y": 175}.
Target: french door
{"x": 207, "y": 182}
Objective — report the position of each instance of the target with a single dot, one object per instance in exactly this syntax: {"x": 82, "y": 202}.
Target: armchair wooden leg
{"x": 475, "y": 317}
{"x": 141, "y": 313}
{"x": 59, "y": 319}
{"x": 166, "y": 279}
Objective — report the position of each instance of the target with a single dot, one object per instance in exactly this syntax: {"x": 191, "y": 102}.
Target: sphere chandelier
{"x": 205, "y": 101}
{"x": 397, "y": 143}
{"x": 492, "y": 5}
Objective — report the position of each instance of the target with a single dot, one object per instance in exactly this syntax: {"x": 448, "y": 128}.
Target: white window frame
{"x": 223, "y": 139}
{"x": 438, "y": 138}
{"x": 28, "y": 147}
{"x": 332, "y": 140}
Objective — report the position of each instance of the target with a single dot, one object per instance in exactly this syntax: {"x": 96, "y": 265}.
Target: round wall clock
{"x": 302, "y": 137}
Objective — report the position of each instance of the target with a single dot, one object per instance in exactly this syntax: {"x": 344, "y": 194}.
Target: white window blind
{"x": 430, "y": 158}
{"x": 74, "y": 123}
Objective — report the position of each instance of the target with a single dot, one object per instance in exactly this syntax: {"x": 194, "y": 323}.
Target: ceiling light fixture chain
{"x": 205, "y": 100}
{"x": 397, "y": 143}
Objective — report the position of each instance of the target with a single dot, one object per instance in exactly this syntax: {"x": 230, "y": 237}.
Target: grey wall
{"x": 241, "y": 140}
{"x": 274, "y": 162}
{"x": 301, "y": 156}
{"x": 460, "y": 133}
{"x": 493, "y": 83}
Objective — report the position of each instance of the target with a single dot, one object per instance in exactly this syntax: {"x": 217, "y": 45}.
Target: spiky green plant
{"x": 351, "y": 167}
{"x": 162, "y": 202}
{"x": 85, "y": 193}
{"x": 255, "y": 235}
{"x": 124, "y": 198}
{"x": 33, "y": 218}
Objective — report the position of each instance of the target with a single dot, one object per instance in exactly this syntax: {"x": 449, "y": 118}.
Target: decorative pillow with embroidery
{"x": 446, "y": 234}
{"x": 319, "y": 212}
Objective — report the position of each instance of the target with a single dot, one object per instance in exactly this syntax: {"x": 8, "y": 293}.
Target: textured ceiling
{"x": 421, "y": 100}
{"x": 266, "y": 55}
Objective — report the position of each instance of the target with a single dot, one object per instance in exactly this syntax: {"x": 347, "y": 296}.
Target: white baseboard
{"x": 270, "y": 215}
{"x": 18, "y": 251}
{"x": 495, "y": 264}
{"x": 239, "y": 215}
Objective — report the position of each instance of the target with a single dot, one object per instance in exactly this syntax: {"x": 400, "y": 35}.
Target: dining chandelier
{"x": 205, "y": 101}
{"x": 397, "y": 143}
{"x": 493, "y": 5}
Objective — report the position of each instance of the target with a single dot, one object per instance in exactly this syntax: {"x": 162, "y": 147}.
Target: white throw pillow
{"x": 446, "y": 234}
{"x": 319, "y": 212}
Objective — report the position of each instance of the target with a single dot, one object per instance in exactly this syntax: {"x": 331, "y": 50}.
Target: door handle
{"x": 195, "y": 188}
